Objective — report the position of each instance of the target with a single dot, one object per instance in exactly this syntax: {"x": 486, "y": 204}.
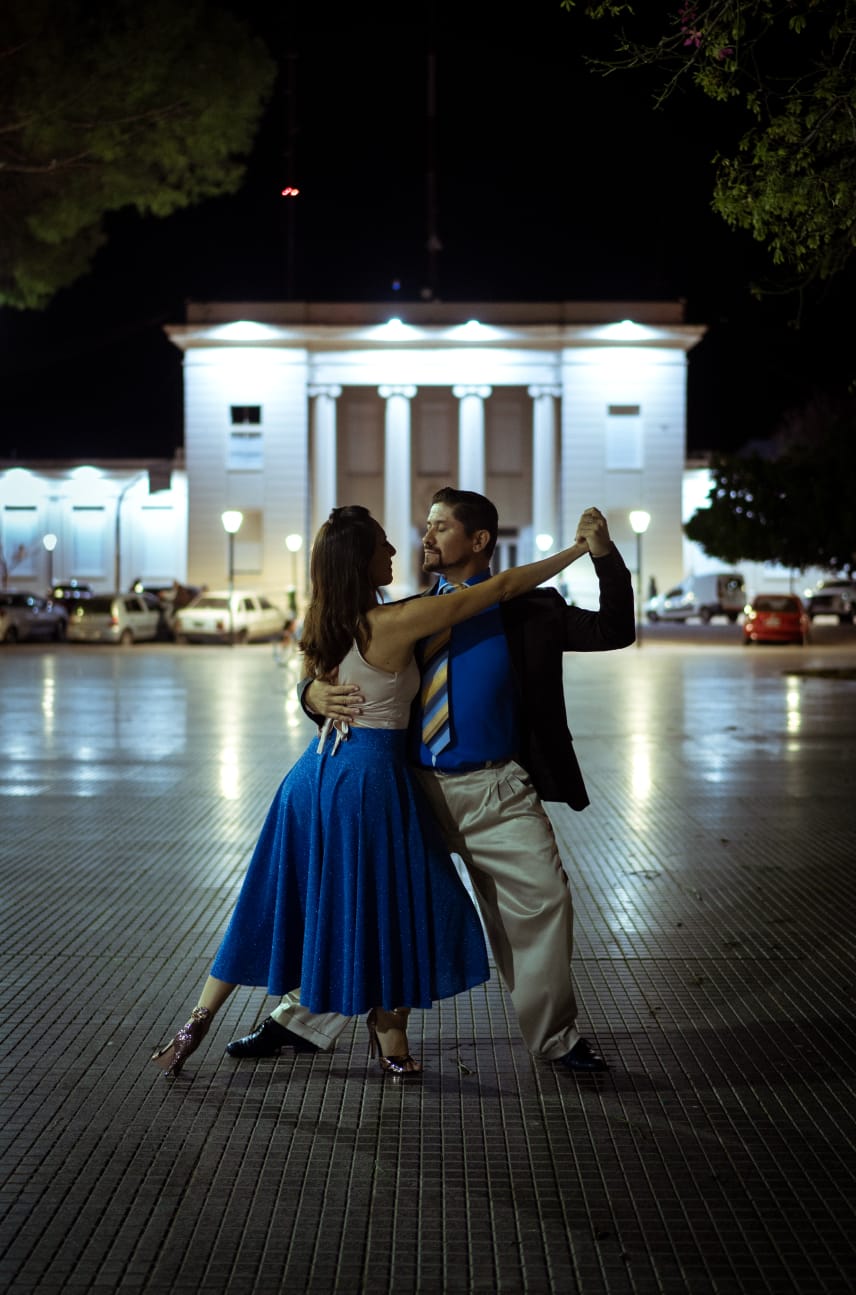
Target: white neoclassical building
{"x": 292, "y": 409}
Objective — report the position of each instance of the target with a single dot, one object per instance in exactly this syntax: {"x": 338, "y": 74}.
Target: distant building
{"x": 106, "y": 523}
{"x": 292, "y": 409}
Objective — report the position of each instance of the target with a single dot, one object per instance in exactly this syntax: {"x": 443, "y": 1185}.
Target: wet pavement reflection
{"x": 715, "y": 966}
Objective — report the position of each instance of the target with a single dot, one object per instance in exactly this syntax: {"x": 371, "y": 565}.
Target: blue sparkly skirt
{"x": 350, "y": 893}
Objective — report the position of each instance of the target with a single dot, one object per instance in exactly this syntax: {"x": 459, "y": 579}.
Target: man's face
{"x": 446, "y": 547}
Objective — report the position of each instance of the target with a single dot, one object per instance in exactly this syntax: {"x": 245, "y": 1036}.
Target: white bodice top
{"x": 387, "y": 695}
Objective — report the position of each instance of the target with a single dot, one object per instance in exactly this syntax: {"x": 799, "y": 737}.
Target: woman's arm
{"x": 398, "y": 626}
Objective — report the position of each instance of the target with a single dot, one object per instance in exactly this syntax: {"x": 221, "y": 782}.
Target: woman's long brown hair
{"x": 342, "y": 592}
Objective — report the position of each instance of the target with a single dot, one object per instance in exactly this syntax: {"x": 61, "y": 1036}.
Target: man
{"x": 502, "y": 747}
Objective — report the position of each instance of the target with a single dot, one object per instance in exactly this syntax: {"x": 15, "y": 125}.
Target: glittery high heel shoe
{"x": 172, "y": 1056}
{"x": 402, "y": 1067}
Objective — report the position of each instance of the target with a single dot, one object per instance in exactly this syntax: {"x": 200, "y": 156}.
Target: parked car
{"x": 719, "y": 593}
{"x": 167, "y": 599}
{"x": 69, "y": 592}
{"x": 113, "y": 618}
{"x": 26, "y": 616}
{"x": 775, "y": 618}
{"x": 832, "y": 598}
{"x": 175, "y": 595}
{"x": 217, "y": 617}
{"x": 154, "y": 603}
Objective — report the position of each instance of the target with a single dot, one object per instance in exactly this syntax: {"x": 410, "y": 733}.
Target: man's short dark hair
{"x": 473, "y": 511}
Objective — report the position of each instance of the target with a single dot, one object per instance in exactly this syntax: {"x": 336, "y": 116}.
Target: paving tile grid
{"x": 715, "y": 900}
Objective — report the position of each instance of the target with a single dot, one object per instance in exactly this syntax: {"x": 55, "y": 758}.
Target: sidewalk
{"x": 716, "y": 970}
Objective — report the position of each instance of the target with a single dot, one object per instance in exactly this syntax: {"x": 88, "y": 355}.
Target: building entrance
{"x": 505, "y": 555}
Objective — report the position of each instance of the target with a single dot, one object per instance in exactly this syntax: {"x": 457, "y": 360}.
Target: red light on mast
{"x": 290, "y": 191}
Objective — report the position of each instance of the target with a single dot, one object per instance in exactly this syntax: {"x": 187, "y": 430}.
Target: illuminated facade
{"x": 106, "y": 523}
{"x": 292, "y": 409}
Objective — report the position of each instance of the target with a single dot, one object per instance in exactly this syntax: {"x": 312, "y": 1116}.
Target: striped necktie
{"x": 436, "y": 733}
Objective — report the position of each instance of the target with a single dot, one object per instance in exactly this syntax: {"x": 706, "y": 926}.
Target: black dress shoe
{"x": 582, "y": 1060}
{"x": 267, "y": 1040}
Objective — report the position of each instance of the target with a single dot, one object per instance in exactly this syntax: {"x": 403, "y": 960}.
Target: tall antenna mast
{"x": 433, "y": 244}
{"x": 290, "y": 190}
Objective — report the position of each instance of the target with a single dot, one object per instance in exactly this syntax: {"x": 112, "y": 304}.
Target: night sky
{"x": 553, "y": 183}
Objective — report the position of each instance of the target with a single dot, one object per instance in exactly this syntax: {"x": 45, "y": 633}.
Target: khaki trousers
{"x": 494, "y": 820}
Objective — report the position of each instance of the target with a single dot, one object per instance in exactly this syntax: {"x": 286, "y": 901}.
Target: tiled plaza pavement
{"x": 715, "y": 888}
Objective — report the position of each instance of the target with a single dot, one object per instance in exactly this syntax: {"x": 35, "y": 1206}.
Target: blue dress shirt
{"x": 482, "y": 699}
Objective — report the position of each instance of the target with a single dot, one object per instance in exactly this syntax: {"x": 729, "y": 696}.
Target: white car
{"x": 832, "y": 598}
{"x": 26, "y": 616}
{"x": 242, "y": 617}
{"x": 112, "y": 618}
{"x": 721, "y": 593}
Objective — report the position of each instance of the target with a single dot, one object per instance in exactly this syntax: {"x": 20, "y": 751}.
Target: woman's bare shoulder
{"x": 397, "y": 607}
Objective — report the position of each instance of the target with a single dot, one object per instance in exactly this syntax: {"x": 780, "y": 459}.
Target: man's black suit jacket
{"x": 539, "y": 628}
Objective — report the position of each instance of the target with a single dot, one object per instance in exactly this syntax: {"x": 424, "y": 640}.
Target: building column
{"x": 471, "y": 455}
{"x": 397, "y": 505}
{"x": 545, "y": 519}
{"x": 323, "y": 453}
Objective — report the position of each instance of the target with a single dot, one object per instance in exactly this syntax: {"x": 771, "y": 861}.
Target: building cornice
{"x": 320, "y": 326}
{"x": 62, "y": 468}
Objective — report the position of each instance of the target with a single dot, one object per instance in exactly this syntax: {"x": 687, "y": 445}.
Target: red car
{"x": 775, "y": 618}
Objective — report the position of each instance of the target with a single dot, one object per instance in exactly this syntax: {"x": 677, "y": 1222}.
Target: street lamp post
{"x": 294, "y": 543}
{"x": 639, "y": 520}
{"x": 231, "y": 520}
{"x": 544, "y": 543}
{"x": 50, "y": 542}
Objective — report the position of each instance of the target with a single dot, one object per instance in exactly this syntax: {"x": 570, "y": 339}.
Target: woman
{"x": 350, "y": 893}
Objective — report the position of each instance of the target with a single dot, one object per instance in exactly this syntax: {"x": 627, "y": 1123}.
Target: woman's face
{"x": 380, "y": 566}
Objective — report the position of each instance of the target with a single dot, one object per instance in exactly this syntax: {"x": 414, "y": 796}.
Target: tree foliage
{"x": 108, "y": 105}
{"x": 790, "y": 501}
{"x": 789, "y": 69}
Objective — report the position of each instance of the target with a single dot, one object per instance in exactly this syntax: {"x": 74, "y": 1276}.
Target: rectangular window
{"x": 251, "y": 414}
{"x": 624, "y": 439}
{"x": 21, "y": 542}
{"x": 87, "y": 541}
{"x": 245, "y": 452}
{"x": 506, "y": 551}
